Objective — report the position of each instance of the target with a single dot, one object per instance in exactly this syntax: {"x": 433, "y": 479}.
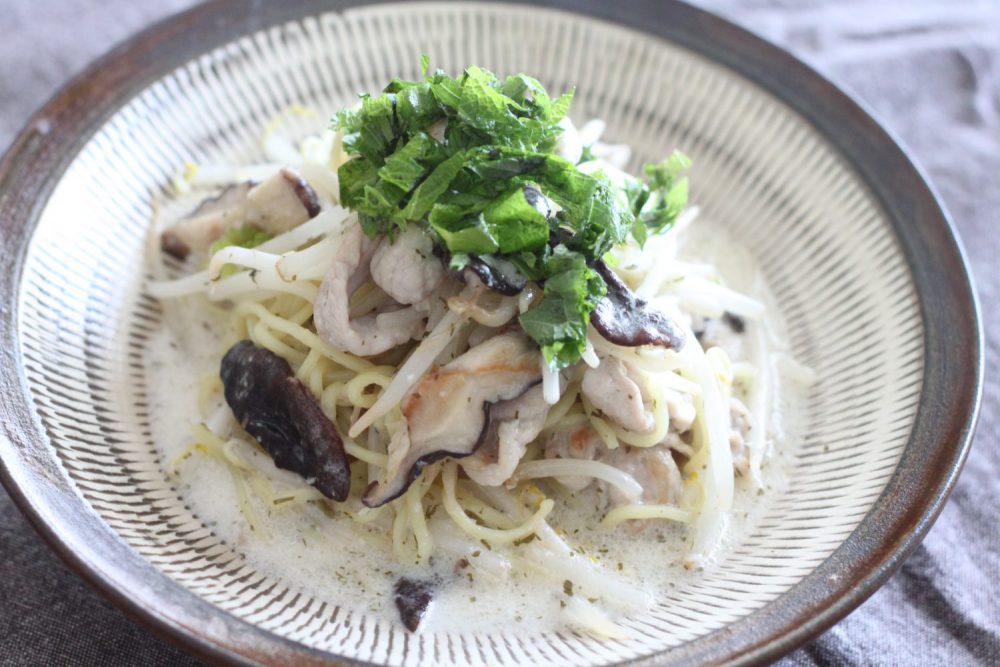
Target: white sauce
{"x": 329, "y": 558}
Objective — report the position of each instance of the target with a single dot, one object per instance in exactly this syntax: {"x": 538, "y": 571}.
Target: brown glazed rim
{"x": 930, "y": 464}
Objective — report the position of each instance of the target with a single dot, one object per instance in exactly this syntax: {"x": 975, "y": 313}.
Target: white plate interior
{"x": 826, "y": 249}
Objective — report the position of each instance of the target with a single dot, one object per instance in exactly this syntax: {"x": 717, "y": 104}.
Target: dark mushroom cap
{"x": 285, "y": 418}
{"x": 624, "y": 319}
{"x": 499, "y": 275}
{"x": 413, "y": 598}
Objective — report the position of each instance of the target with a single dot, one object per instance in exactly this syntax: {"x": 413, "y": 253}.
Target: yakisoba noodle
{"x": 704, "y": 415}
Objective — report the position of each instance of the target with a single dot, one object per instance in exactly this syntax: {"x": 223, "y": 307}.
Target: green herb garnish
{"x": 245, "y": 236}
{"x": 559, "y": 322}
{"x": 471, "y": 159}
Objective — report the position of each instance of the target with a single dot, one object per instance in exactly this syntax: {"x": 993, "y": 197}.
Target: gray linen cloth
{"x": 929, "y": 69}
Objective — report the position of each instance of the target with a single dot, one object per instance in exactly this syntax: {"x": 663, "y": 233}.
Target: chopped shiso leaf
{"x": 244, "y": 236}
{"x": 472, "y": 160}
{"x": 559, "y": 322}
{"x": 664, "y": 195}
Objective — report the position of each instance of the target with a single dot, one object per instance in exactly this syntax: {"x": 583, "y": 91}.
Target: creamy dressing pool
{"x": 337, "y": 560}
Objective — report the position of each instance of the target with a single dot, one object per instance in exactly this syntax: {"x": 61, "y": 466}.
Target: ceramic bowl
{"x": 867, "y": 270}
